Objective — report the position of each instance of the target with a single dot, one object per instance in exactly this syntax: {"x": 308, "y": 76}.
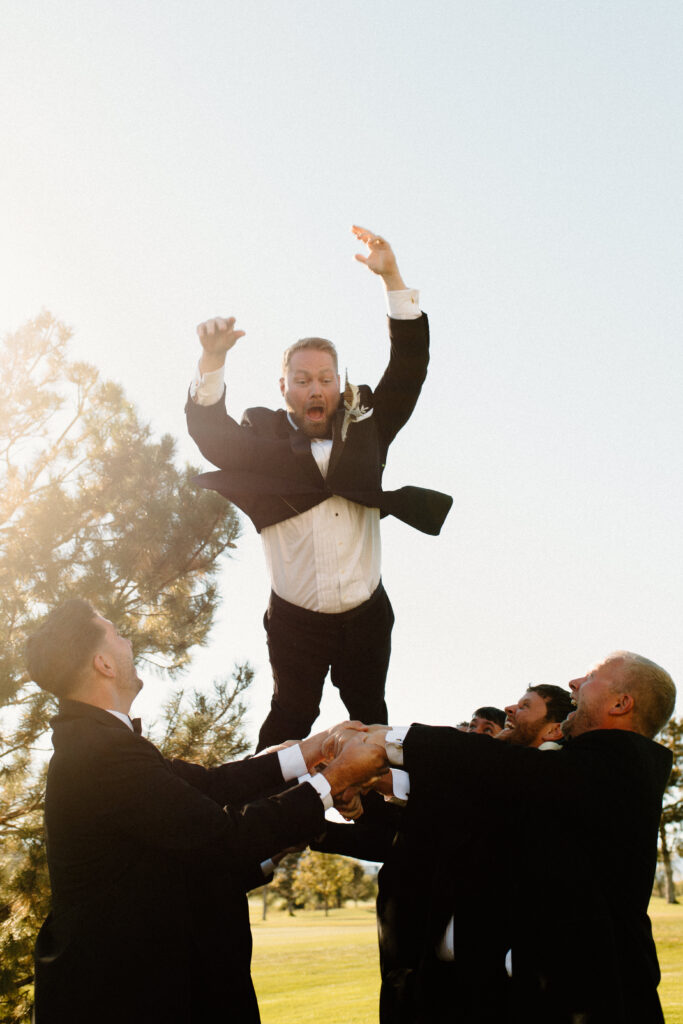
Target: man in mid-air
{"x": 310, "y": 479}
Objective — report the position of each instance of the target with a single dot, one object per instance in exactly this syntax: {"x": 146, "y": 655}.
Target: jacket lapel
{"x": 300, "y": 445}
{"x": 337, "y": 443}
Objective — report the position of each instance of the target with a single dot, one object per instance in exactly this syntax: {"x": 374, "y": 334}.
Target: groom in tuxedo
{"x": 150, "y": 859}
{"x": 310, "y": 479}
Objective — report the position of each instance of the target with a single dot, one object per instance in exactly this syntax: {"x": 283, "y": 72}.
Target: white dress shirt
{"x": 327, "y": 559}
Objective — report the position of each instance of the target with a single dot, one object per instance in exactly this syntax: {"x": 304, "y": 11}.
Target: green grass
{"x": 312, "y": 968}
{"x": 667, "y": 924}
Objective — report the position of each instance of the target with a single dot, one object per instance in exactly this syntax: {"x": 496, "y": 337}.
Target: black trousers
{"x": 303, "y": 646}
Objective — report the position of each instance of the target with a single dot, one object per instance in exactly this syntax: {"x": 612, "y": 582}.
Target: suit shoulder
{"x": 265, "y": 421}
{"x": 88, "y": 741}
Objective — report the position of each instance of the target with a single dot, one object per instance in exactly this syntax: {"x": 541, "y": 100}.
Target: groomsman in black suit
{"x": 310, "y": 479}
{"x": 441, "y": 916}
{"x": 150, "y": 859}
{"x": 577, "y": 833}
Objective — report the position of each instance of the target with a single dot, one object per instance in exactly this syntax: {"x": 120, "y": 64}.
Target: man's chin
{"x": 567, "y": 726}
{"x": 315, "y": 428}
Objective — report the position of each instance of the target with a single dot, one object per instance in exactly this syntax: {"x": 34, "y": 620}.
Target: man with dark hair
{"x": 487, "y": 721}
{"x": 58, "y": 651}
{"x": 588, "y": 816}
{"x": 150, "y": 859}
{"x": 310, "y": 479}
{"x": 535, "y": 719}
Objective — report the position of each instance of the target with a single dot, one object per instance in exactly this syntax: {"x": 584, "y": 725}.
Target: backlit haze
{"x": 163, "y": 163}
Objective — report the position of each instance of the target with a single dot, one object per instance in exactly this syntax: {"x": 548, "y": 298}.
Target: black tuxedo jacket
{"x": 575, "y": 853}
{"x": 435, "y": 866}
{"x": 267, "y": 468}
{"x": 149, "y": 872}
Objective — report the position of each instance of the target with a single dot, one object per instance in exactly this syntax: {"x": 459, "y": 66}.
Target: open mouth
{"x": 315, "y": 413}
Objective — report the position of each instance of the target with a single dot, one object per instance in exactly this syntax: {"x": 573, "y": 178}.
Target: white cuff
{"x": 404, "y": 305}
{"x": 324, "y": 789}
{"x": 445, "y": 949}
{"x": 207, "y": 388}
{"x": 267, "y": 867}
{"x": 292, "y": 762}
{"x": 400, "y": 784}
{"x": 394, "y": 744}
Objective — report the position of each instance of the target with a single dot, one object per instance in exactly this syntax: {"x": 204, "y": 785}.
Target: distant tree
{"x": 671, "y": 822}
{"x": 362, "y": 886}
{"x": 90, "y": 504}
{"x": 283, "y": 881}
{"x": 322, "y": 878}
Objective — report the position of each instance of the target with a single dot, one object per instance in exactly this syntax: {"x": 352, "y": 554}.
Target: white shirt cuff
{"x": 207, "y": 388}
{"x": 320, "y": 783}
{"x": 394, "y": 744}
{"x": 267, "y": 867}
{"x": 292, "y": 762}
{"x": 445, "y": 950}
{"x": 404, "y": 305}
{"x": 400, "y": 784}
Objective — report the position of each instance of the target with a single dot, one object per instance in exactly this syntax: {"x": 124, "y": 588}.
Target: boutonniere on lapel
{"x": 354, "y": 412}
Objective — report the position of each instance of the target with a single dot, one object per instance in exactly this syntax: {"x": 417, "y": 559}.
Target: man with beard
{"x": 535, "y": 720}
{"x": 586, "y": 817}
{"x": 310, "y": 480}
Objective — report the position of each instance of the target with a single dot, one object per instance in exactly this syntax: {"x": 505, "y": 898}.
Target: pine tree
{"x": 91, "y": 505}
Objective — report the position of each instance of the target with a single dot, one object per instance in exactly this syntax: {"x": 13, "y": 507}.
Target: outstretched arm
{"x": 380, "y": 259}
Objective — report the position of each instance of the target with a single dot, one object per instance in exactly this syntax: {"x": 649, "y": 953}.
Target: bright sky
{"x": 162, "y": 163}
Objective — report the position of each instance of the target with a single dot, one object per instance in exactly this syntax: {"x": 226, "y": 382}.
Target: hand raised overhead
{"x": 217, "y": 337}
{"x": 380, "y": 258}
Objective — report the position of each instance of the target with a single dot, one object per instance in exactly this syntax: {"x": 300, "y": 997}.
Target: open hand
{"x": 217, "y": 337}
{"x": 380, "y": 258}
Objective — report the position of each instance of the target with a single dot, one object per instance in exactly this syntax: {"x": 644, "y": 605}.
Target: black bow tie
{"x": 137, "y": 726}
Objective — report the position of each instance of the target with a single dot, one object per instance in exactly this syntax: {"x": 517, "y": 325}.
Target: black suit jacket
{"x": 267, "y": 468}
{"x": 404, "y": 885}
{"x": 576, "y": 855}
{"x": 149, "y": 873}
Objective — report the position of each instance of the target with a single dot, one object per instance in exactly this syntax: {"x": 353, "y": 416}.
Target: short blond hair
{"x": 652, "y": 688}
{"x": 321, "y": 344}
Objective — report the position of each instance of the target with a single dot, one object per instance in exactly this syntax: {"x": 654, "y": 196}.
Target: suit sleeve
{"x": 219, "y": 437}
{"x": 131, "y": 790}
{"x": 454, "y": 770}
{"x": 236, "y": 782}
{"x": 366, "y": 842}
{"x": 397, "y": 392}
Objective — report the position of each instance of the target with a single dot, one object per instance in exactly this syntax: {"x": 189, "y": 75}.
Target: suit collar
{"x": 70, "y": 709}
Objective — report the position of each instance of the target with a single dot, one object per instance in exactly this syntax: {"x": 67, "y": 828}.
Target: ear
{"x": 103, "y": 665}
{"x": 623, "y": 705}
{"x": 282, "y": 386}
{"x": 553, "y": 734}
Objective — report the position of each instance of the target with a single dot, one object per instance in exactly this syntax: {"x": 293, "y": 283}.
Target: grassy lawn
{"x": 667, "y": 924}
{"x": 312, "y": 968}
